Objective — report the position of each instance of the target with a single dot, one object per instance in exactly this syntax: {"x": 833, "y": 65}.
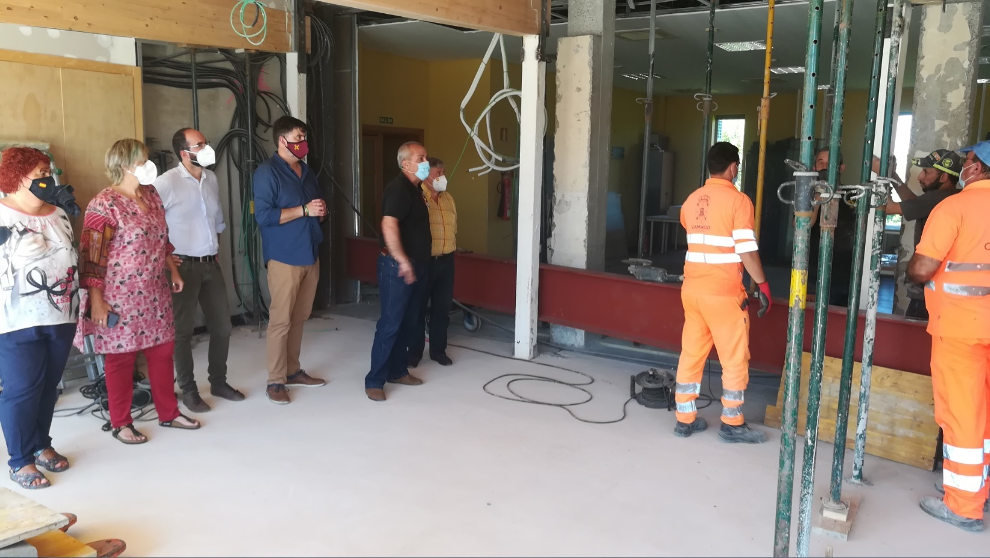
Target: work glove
{"x": 763, "y": 294}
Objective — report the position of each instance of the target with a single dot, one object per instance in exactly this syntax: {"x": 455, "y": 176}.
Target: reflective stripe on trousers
{"x": 705, "y": 257}
{"x": 966, "y": 483}
{"x": 694, "y": 388}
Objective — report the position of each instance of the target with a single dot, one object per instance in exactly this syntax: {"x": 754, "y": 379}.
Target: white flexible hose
{"x": 491, "y": 159}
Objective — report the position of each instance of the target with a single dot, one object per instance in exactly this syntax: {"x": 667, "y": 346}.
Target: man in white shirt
{"x": 195, "y": 220}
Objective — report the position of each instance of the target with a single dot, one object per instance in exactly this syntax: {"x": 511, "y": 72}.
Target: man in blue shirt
{"x": 288, "y": 210}
{"x": 402, "y": 271}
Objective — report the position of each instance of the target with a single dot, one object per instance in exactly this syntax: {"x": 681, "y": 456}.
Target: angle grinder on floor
{"x": 657, "y": 388}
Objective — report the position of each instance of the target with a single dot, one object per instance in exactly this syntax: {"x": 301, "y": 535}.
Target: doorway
{"x": 379, "y": 145}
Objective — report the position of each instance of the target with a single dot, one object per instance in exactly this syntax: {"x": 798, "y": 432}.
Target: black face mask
{"x": 59, "y": 195}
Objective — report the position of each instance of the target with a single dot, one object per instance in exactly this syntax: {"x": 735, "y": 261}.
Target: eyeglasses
{"x": 197, "y": 146}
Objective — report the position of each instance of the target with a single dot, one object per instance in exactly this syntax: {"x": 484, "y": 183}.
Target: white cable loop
{"x": 491, "y": 159}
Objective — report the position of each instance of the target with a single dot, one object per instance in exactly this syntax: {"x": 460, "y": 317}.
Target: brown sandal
{"x": 140, "y": 438}
{"x": 172, "y": 424}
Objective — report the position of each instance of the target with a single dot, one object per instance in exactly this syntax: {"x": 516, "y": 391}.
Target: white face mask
{"x": 205, "y": 157}
{"x": 962, "y": 182}
{"x": 146, "y": 173}
{"x": 440, "y": 183}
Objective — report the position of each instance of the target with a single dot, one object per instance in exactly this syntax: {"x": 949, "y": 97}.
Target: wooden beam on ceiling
{"x": 190, "y": 22}
{"x": 512, "y": 17}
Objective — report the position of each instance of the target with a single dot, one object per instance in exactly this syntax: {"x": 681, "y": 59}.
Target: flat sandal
{"x": 173, "y": 424}
{"x": 141, "y": 438}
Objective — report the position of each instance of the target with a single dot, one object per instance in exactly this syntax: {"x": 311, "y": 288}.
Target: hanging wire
{"x": 241, "y": 9}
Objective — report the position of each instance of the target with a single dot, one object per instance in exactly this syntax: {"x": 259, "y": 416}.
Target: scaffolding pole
{"x": 879, "y": 219}
{"x": 862, "y": 208}
{"x": 829, "y": 219}
{"x": 706, "y": 97}
{"x": 647, "y": 127}
{"x": 799, "y": 289}
{"x": 764, "y": 119}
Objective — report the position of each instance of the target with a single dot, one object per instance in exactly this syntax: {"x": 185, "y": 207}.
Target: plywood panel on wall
{"x": 192, "y": 22}
{"x": 78, "y": 107}
{"x": 101, "y": 109}
{"x": 514, "y": 17}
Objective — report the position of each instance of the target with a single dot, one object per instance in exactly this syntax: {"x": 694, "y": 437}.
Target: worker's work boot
{"x": 684, "y": 429}
{"x": 935, "y": 507}
{"x": 741, "y": 434}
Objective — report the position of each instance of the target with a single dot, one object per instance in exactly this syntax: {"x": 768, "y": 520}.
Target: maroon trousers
{"x": 119, "y": 370}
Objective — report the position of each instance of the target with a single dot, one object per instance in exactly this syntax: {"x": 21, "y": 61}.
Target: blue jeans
{"x": 399, "y": 309}
{"x": 31, "y": 364}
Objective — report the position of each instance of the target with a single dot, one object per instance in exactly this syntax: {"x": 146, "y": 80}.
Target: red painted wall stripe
{"x": 650, "y": 313}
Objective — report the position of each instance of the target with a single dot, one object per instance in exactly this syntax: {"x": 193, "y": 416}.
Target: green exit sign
{"x": 384, "y": 119}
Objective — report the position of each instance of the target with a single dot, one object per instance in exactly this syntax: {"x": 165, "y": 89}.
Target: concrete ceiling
{"x": 681, "y": 46}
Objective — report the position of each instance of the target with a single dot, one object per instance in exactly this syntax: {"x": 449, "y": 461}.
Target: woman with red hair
{"x": 38, "y": 307}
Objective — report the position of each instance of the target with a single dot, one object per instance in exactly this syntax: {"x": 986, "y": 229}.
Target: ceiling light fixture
{"x": 742, "y": 46}
{"x": 788, "y": 70}
{"x": 640, "y": 76}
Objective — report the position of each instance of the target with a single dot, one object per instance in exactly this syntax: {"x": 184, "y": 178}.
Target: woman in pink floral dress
{"x": 126, "y": 298}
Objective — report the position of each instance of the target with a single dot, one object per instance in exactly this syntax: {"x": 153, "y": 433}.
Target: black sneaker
{"x": 935, "y": 507}
{"x": 442, "y": 359}
{"x": 227, "y": 392}
{"x": 741, "y": 434}
{"x": 194, "y": 402}
{"x": 684, "y": 429}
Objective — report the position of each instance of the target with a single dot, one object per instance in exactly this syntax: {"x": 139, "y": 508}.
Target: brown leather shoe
{"x": 375, "y": 394}
{"x": 407, "y": 380}
{"x": 278, "y": 394}
{"x": 302, "y": 379}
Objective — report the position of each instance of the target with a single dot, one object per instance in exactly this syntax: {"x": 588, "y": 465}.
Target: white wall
{"x": 70, "y": 44}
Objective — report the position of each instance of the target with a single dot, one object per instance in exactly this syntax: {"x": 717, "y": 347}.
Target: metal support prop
{"x": 764, "y": 119}
{"x": 798, "y": 291}
{"x": 844, "y": 10}
{"x": 249, "y": 176}
{"x": 706, "y": 118}
{"x": 647, "y": 126}
{"x": 879, "y": 219}
{"x": 828, "y": 100}
{"x": 862, "y": 212}
{"x": 983, "y": 104}
{"x": 195, "y": 88}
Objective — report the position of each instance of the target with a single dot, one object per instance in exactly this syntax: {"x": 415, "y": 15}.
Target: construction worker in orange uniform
{"x": 953, "y": 261}
{"x": 721, "y": 242}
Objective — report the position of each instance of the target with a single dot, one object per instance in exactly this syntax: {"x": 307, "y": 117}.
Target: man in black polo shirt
{"x": 938, "y": 178}
{"x": 402, "y": 270}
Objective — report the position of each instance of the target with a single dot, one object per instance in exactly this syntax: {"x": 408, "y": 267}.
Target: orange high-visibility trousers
{"x": 961, "y": 382}
{"x": 720, "y": 320}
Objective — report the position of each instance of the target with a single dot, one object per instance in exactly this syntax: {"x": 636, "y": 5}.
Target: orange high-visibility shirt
{"x": 719, "y": 223}
{"x": 958, "y": 234}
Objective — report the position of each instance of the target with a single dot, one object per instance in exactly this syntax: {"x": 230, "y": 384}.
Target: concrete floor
{"x": 445, "y": 469}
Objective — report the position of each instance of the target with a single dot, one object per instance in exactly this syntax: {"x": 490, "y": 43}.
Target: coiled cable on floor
{"x": 703, "y": 401}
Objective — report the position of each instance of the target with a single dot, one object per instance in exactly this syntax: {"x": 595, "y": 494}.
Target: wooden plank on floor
{"x": 901, "y": 424}
{"x": 21, "y": 517}
{"x": 62, "y": 545}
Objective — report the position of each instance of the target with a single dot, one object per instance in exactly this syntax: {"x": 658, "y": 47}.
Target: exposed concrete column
{"x": 944, "y": 93}
{"x": 582, "y": 142}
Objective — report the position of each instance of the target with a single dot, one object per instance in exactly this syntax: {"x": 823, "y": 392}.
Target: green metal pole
{"x": 799, "y": 289}
{"x": 706, "y": 118}
{"x": 828, "y": 99}
{"x": 829, "y": 218}
{"x": 879, "y": 220}
{"x": 856, "y": 273}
